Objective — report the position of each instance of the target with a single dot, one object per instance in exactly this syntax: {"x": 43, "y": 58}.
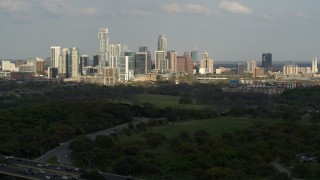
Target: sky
{"x": 230, "y": 31}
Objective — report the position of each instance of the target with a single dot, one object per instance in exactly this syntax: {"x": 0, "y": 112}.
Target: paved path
{"x": 275, "y": 163}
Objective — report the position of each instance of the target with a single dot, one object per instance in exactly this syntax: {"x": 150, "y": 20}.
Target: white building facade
{"x": 55, "y": 55}
{"x": 314, "y": 67}
{"x": 103, "y": 37}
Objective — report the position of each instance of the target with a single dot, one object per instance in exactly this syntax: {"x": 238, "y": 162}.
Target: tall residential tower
{"x": 55, "y": 55}
{"x": 314, "y": 67}
{"x": 103, "y": 37}
{"x": 162, "y": 43}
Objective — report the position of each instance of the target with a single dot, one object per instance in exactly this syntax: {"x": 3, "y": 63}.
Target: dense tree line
{"x": 245, "y": 154}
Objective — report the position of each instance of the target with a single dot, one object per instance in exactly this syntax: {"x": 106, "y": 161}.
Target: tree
{"x": 220, "y": 173}
{"x": 130, "y": 149}
{"x": 186, "y": 148}
{"x": 154, "y": 139}
{"x": 315, "y": 117}
{"x": 201, "y": 136}
{"x": 301, "y": 169}
{"x": 142, "y": 126}
{"x": 104, "y": 141}
{"x": 83, "y": 143}
{"x": 280, "y": 176}
{"x": 184, "y": 135}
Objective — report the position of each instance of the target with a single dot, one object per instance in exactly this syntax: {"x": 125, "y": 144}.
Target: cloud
{"x": 234, "y": 7}
{"x": 141, "y": 13}
{"x": 60, "y": 9}
{"x": 266, "y": 17}
{"x": 175, "y": 8}
{"x": 300, "y": 15}
{"x": 14, "y": 5}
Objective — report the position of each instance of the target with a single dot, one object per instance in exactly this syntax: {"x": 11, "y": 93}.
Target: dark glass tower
{"x": 267, "y": 60}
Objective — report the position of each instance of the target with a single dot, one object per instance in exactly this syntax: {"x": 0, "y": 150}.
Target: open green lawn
{"x": 53, "y": 160}
{"x": 166, "y": 101}
{"x": 215, "y": 127}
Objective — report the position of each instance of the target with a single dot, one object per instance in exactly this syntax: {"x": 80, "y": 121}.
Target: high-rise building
{"x": 55, "y": 55}
{"x": 71, "y": 60}
{"x": 162, "y": 43}
{"x": 75, "y": 58}
{"x": 149, "y": 60}
{"x": 206, "y": 64}
{"x": 84, "y": 60}
{"x": 126, "y": 68}
{"x": 290, "y": 68}
{"x": 141, "y": 63}
{"x": 314, "y": 67}
{"x": 172, "y": 58}
{"x": 103, "y": 37}
{"x": 267, "y": 61}
{"x": 95, "y": 61}
{"x": 39, "y": 65}
{"x": 115, "y": 49}
{"x": 115, "y": 53}
{"x": 241, "y": 68}
{"x": 63, "y": 70}
{"x": 250, "y": 66}
{"x": 161, "y": 63}
{"x": 194, "y": 56}
{"x": 185, "y": 64}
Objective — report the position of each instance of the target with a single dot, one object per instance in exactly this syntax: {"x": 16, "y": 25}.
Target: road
{"x": 30, "y": 169}
{"x": 62, "y": 152}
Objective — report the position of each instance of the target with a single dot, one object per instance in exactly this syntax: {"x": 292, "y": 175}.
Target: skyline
{"x": 228, "y": 30}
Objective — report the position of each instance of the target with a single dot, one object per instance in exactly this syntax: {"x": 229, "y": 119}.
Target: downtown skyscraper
{"x": 162, "y": 43}
{"x": 103, "y": 37}
{"x": 55, "y": 55}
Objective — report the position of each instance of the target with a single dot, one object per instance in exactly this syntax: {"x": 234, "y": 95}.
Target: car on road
{"x": 64, "y": 177}
{"x": 47, "y": 177}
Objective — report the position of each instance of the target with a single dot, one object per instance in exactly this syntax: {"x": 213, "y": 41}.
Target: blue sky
{"x": 235, "y": 30}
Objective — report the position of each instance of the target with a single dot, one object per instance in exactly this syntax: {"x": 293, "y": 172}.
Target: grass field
{"x": 53, "y": 160}
{"x": 166, "y": 101}
{"x": 215, "y": 127}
